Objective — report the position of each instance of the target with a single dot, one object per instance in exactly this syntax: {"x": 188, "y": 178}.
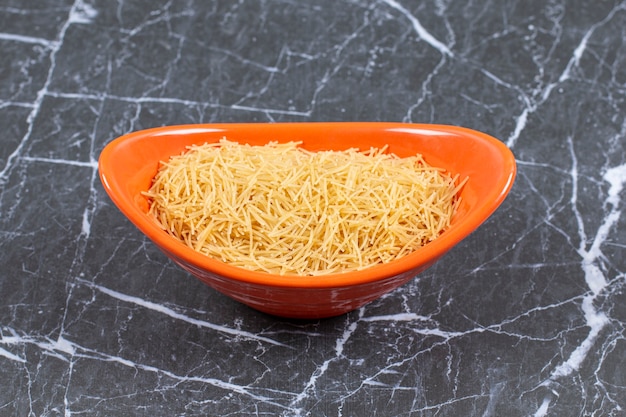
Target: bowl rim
{"x": 426, "y": 254}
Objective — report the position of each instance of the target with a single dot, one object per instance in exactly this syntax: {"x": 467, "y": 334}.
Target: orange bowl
{"x": 128, "y": 164}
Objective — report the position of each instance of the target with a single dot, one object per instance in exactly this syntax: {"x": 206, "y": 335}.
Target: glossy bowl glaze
{"x": 128, "y": 164}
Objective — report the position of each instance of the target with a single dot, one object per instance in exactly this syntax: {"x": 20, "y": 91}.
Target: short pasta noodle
{"x": 279, "y": 208}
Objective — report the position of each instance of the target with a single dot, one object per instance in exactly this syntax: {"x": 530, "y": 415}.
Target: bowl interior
{"x": 128, "y": 164}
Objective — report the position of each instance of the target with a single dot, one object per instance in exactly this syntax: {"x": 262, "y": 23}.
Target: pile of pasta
{"x": 282, "y": 209}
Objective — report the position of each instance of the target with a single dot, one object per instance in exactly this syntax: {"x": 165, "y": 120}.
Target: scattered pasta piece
{"x": 282, "y": 209}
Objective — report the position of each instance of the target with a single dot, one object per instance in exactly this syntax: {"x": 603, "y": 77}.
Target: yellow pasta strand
{"x": 282, "y": 209}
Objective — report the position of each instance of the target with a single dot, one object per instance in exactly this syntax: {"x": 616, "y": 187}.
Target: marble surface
{"x": 526, "y": 317}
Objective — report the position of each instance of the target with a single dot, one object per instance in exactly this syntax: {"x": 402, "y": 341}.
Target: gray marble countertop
{"x": 526, "y": 317}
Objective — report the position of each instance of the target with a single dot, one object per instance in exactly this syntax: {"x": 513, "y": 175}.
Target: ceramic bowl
{"x": 128, "y": 164}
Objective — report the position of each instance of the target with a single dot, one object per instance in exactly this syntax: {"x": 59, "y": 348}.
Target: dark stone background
{"x": 526, "y": 317}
